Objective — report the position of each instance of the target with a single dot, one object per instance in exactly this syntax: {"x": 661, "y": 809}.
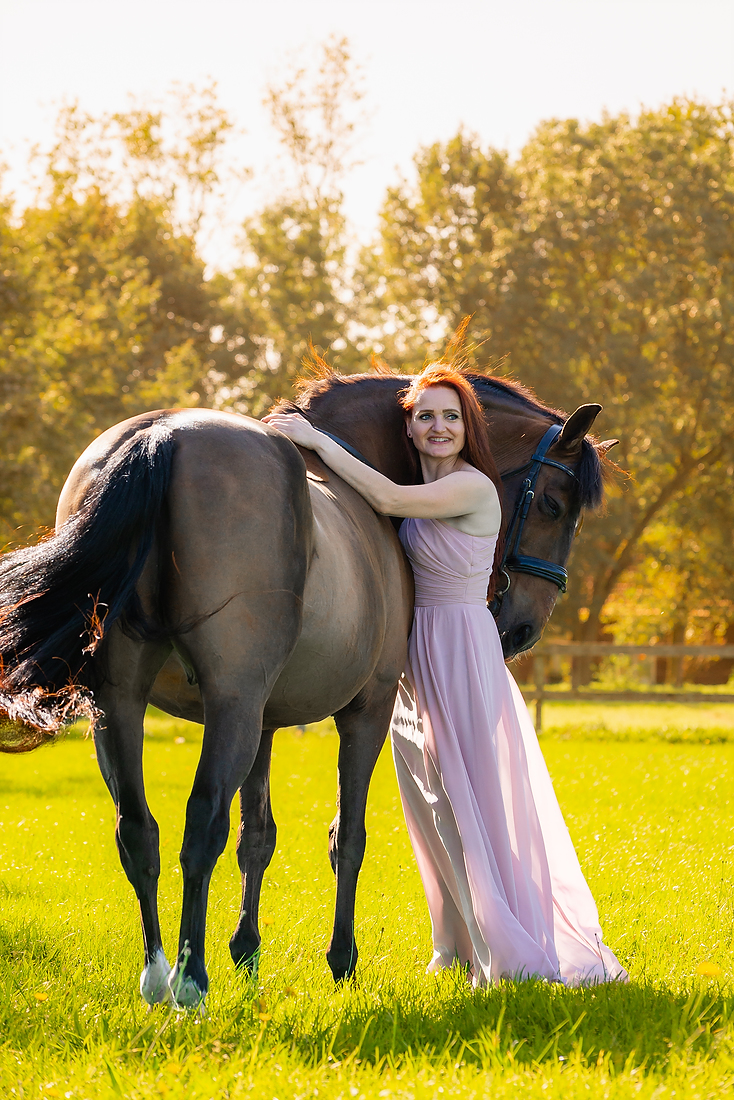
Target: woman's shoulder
{"x": 481, "y": 480}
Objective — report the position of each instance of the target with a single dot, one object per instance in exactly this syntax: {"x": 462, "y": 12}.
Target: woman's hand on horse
{"x": 296, "y": 427}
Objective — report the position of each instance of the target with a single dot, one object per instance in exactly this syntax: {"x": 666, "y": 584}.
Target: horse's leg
{"x": 255, "y": 847}
{"x": 362, "y": 726}
{"x": 131, "y": 669}
{"x": 232, "y": 734}
{"x": 240, "y": 532}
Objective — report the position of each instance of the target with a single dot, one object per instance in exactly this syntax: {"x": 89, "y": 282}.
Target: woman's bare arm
{"x": 462, "y": 493}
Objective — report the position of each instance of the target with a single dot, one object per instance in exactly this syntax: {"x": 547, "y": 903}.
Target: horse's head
{"x": 363, "y": 411}
{"x": 551, "y": 472}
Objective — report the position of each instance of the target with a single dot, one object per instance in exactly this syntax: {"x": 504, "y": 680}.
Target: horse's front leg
{"x": 255, "y": 847}
{"x": 118, "y": 737}
{"x": 362, "y": 726}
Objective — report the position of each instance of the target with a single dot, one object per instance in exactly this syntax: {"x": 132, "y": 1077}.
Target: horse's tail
{"x": 60, "y": 597}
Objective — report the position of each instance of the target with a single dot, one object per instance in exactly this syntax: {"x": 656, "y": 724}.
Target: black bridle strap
{"x": 348, "y": 448}
{"x": 340, "y": 442}
{"x": 540, "y": 455}
{"x": 512, "y": 558}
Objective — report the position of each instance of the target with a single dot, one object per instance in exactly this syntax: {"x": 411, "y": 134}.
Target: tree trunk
{"x": 581, "y": 669}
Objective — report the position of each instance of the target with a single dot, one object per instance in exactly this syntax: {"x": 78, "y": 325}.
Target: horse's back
{"x": 213, "y": 448}
{"x": 226, "y": 577}
{"x": 256, "y": 562}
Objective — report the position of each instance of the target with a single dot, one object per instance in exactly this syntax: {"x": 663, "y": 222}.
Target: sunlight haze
{"x": 429, "y": 67}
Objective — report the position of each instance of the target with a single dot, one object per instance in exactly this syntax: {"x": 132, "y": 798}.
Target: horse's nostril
{"x": 520, "y": 637}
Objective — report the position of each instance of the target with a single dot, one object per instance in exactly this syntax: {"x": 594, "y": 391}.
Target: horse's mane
{"x": 322, "y": 379}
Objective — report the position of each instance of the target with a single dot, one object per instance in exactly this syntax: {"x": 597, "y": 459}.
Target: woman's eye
{"x": 424, "y": 416}
{"x": 551, "y": 507}
{"x": 452, "y": 416}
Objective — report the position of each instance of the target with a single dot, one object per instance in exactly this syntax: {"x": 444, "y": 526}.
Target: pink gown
{"x": 504, "y": 887}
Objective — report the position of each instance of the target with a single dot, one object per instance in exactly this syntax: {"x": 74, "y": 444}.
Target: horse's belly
{"x": 353, "y": 619}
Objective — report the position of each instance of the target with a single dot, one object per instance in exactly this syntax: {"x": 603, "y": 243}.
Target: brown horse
{"x": 203, "y": 564}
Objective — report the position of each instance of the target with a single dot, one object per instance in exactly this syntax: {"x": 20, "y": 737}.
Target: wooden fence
{"x": 542, "y": 693}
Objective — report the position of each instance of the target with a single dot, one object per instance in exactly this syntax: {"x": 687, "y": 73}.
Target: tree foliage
{"x": 294, "y": 284}
{"x": 316, "y": 114}
{"x": 104, "y": 308}
{"x": 285, "y": 295}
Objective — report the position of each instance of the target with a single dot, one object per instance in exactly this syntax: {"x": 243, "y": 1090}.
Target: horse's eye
{"x": 550, "y": 506}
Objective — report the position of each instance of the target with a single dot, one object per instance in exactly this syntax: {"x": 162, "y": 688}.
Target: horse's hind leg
{"x": 132, "y": 667}
{"x": 362, "y": 726}
{"x": 255, "y": 847}
{"x": 232, "y": 733}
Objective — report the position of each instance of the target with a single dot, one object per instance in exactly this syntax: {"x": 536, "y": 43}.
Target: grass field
{"x": 652, "y": 816}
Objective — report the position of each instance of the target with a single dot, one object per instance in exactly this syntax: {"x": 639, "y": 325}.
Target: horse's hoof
{"x": 249, "y": 965}
{"x": 154, "y": 980}
{"x": 342, "y": 966}
{"x": 184, "y": 991}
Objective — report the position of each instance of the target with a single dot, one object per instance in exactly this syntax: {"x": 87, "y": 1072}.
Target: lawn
{"x": 652, "y": 817}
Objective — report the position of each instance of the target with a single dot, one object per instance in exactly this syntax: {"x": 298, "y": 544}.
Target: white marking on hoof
{"x": 184, "y": 991}
{"x": 154, "y": 980}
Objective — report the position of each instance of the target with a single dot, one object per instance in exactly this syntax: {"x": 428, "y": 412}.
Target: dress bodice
{"x": 449, "y": 566}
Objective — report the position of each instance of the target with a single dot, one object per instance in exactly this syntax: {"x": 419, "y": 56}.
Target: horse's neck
{"x": 367, "y": 416}
{"x": 514, "y": 431}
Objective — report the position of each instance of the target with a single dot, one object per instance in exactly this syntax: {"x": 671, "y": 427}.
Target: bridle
{"x": 512, "y": 559}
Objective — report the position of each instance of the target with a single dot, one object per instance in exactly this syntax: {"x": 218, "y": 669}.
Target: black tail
{"x": 58, "y": 598}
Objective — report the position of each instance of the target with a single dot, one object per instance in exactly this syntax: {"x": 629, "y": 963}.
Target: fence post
{"x": 539, "y": 677}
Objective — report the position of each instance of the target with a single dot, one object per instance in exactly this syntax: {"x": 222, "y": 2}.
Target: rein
{"x": 348, "y": 448}
{"x": 512, "y": 559}
{"x": 341, "y": 443}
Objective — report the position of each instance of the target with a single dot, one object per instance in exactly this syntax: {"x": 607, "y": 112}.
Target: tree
{"x": 284, "y": 297}
{"x": 442, "y": 248}
{"x": 104, "y": 307}
{"x": 294, "y": 284}
{"x": 169, "y": 153}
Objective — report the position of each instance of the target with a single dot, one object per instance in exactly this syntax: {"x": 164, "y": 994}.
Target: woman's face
{"x": 436, "y": 424}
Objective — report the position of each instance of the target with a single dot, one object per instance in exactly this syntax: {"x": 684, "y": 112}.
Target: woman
{"x": 505, "y": 891}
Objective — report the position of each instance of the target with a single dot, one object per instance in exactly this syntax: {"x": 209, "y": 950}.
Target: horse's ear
{"x": 576, "y": 427}
{"x": 606, "y": 445}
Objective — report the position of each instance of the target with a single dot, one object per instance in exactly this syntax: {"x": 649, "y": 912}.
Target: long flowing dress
{"x": 505, "y": 890}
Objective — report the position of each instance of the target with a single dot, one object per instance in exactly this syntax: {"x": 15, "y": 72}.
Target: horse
{"x": 203, "y": 563}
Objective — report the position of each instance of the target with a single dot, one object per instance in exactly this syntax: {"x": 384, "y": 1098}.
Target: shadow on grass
{"x": 526, "y": 1022}
{"x": 441, "y": 1025}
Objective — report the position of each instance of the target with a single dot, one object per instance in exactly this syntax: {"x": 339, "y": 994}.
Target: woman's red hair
{"x": 476, "y": 450}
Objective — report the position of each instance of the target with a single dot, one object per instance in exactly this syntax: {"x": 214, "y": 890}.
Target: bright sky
{"x": 495, "y": 66}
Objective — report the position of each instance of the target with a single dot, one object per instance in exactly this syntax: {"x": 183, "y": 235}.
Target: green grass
{"x": 652, "y": 821}
{"x": 676, "y": 723}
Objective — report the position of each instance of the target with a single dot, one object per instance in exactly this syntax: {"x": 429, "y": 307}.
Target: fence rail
{"x": 541, "y": 693}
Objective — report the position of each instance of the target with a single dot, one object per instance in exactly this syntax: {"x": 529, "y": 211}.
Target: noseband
{"x": 512, "y": 559}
